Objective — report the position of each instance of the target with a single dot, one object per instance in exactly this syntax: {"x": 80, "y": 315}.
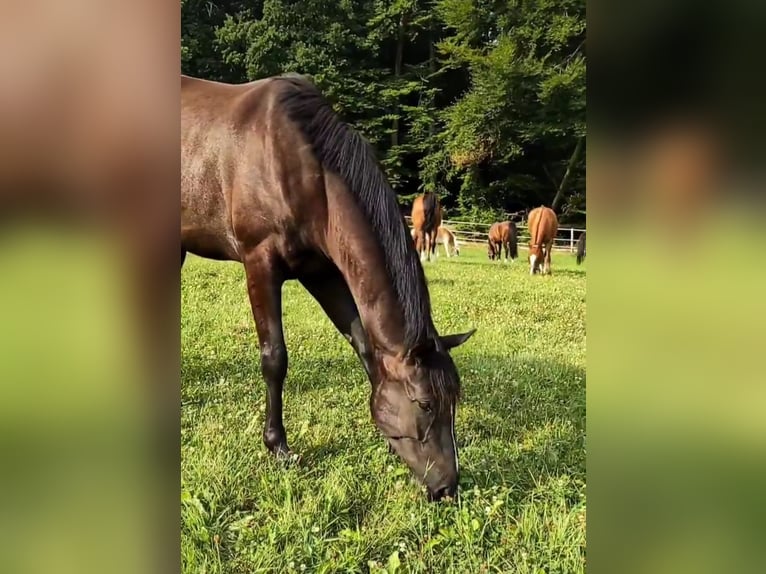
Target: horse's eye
{"x": 425, "y": 406}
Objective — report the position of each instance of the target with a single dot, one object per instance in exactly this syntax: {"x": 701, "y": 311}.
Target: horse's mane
{"x": 342, "y": 150}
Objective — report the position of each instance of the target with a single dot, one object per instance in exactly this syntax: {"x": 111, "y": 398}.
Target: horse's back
{"x": 494, "y": 232}
{"x": 238, "y": 153}
{"x": 502, "y": 231}
{"x": 417, "y": 212}
{"x": 426, "y": 212}
{"x": 543, "y": 224}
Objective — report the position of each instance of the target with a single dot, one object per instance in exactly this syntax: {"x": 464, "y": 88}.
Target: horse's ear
{"x": 421, "y": 349}
{"x": 452, "y": 341}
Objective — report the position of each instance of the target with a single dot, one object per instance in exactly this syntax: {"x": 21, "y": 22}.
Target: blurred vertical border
{"x": 676, "y": 310}
{"x": 89, "y": 286}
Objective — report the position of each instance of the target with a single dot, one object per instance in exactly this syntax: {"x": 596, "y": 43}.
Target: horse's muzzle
{"x": 448, "y": 491}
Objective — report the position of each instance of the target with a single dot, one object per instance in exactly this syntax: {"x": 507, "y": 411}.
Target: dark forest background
{"x": 481, "y": 101}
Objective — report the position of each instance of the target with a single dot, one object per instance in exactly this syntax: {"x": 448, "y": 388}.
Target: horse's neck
{"x": 360, "y": 260}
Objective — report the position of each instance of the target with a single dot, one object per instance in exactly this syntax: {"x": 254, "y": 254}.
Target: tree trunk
{"x": 432, "y": 71}
{"x": 397, "y": 75}
{"x": 568, "y": 175}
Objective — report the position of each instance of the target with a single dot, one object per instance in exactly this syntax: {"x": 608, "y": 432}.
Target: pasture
{"x": 348, "y": 505}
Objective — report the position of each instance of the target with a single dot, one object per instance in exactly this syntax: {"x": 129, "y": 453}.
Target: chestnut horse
{"x": 543, "y": 226}
{"x": 272, "y": 178}
{"x": 426, "y": 219}
{"x": 502, "y": 235}
{"x": 581, "y": 248}
{"x": 444, "y": 236}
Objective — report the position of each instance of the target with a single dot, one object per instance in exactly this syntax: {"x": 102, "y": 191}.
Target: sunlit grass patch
{"x": 349, "y": 506}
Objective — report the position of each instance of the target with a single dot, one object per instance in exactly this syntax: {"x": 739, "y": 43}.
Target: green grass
{"x": 350, "y": 506}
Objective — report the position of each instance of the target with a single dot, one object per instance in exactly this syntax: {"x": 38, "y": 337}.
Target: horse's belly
{"x": 209, "y": 244}
{"x": 205, "y": 228}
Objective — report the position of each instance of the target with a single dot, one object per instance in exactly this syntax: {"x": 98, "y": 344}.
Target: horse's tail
{"x": 513, "y": 240}
{"x": 539, "y": 229}
{"x": 581, "y": 248}
{"x": 430, "y": 211}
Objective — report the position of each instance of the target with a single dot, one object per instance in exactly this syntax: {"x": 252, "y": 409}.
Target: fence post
{"x": 571, "y": 240}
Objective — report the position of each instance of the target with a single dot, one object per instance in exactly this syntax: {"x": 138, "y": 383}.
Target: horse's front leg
{"x": 264, "y": 286}
{"x": 333, "y": 295}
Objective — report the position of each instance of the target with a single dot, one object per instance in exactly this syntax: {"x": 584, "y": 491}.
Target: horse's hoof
{"x": 287, "y": 458}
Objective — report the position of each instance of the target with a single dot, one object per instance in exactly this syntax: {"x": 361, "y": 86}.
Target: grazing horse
{"x": 543, "y": 226}
{"x": 272, "y": 178}
{"x": 426, "y": 219}
{"x": 445, "y": 236}
{"x": 502, "y": 235}
{"x": 581, "y": 248}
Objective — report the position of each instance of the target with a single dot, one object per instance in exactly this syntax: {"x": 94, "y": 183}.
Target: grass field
{"x": 349, "y": 505}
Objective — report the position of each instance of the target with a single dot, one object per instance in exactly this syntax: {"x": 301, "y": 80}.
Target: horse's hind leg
{"x": 264, "y": 286}
{"x": 547, "y": 264}
{"x": 420, "y": 244}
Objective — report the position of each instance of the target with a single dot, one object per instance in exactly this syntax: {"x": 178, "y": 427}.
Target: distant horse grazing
{"x": 445, "y": 237}
{"x": 448, "y": 239}
{"x": 426, "y": 219}
{"x": 272, "y": 178}
{"x": 543, "y": 226}
{"x": 503, "y": 235}
{"x": 581, "y": 248}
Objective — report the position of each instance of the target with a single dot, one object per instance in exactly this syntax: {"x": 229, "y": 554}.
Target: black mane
{"x": 342, "y": 150}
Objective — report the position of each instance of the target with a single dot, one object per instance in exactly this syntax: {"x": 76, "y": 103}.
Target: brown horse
{"x": 543, "y": 226}
{"x": 426, "y": 219}
{"x": 272, "y": 178}
{"x": 502, "y": 235}
{"x": 444, "y": 236}
{"x": 448, "y": 239}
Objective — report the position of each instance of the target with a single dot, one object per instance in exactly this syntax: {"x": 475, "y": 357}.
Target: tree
{"x": 479, "y": 100}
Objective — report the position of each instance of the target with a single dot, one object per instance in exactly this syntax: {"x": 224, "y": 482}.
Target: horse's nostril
{"x": 443, "y": 492}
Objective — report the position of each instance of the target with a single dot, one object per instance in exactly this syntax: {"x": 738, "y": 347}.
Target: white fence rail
{"x": 476, "y": 232}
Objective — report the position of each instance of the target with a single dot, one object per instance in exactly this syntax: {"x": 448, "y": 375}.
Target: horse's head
{"x": 536, "y": 257}
{"x": 490, "y": 250}
{"x": 414, "y": 404}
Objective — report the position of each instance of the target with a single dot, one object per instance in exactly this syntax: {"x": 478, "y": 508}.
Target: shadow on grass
{"x": 207, "y": 380}
{"x": 522, "y": 420}
{"x": 523, "y": 426}
{"x": 569, "y": 272}
{"x": 441, "y": 281}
